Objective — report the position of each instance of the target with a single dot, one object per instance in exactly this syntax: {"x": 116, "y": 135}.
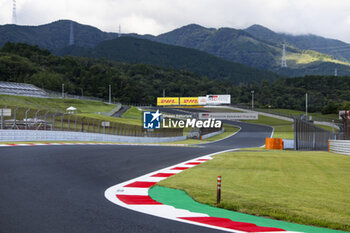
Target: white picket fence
{"x": 339, "y": 146}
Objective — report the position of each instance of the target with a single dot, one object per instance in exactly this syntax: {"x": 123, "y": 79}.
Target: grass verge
{"x": 229, "y": 130}
{"x": 133, "y": 113}
{"x": 308, "y": 188}
{"x": 55, "y": 104}
{"x": 283, "y": 129}
{"x": 128, "y": 121}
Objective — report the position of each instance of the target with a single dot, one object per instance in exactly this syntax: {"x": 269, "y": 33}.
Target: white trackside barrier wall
{"x": 213, "y": 134}
{"x": 42, "y": 135}
{"x": 339, "y": 146}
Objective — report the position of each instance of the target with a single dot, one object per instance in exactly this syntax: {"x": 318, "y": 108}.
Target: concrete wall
{"x": 41, "y": 135}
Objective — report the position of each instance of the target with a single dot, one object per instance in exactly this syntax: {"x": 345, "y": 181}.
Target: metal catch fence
{"x": 307, "y": 136}
{"x": 28, "y": 119}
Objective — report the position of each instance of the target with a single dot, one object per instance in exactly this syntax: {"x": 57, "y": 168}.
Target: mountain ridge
{"x": 255, "y": 46}
{"x": 137, "y": 50}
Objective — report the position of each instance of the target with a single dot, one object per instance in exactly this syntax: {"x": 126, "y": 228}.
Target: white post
{"x": 110, "y": 94}
{"x": 62, "y": 90}
{"x": 306, "y": 104}
{"x": 2, "y": 118}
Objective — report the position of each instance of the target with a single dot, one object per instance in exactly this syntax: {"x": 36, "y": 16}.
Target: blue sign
{"x": 152, "y": 120}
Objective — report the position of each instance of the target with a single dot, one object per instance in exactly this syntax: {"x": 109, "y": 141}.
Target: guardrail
{"x": 339, "y": 146}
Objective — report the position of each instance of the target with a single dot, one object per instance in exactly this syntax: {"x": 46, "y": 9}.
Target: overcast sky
{"x": 329, "y": 18}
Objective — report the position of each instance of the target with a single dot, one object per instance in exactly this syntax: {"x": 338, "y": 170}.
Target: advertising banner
{"x": 228, "y": 116}
{"x": 202, "y": 100}
{"x": 167, "y": 101}
{"x": 218, "y": 99}
{"x": 5, "y": 112}
{"x": 189, "y": 101}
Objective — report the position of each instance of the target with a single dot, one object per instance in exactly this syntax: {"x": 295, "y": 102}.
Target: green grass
{"x": 85, "y": 108}
{"x": 310, "y": 188}
{"x": 55, "y": 105}
{"x": 283, "y": 129}
{"x": 329, "y": 128}
{"x": 229, "y": 130}
{"x": 221, "y": 110}
{"x": 133, "y": 113}
{"x": 296, "y": 60}
{"x": 326, "y": 117}
{"x": 111, "y": 119}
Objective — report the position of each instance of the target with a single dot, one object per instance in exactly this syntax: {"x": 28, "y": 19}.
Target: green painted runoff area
{"x": 303, "y": 187}
{"x": 179, "y": 199}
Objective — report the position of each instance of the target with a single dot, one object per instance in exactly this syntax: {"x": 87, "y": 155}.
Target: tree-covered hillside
{"x": 133, "y": 83}
{"x": 142, "y": 83}
{"x": 134, "y": 50}
{"x": 339, "y": 49}
{"x": 54, "y": 35}
{"x": 260, "y": 47}
{"x": 327, "y": 94}
{"x": 256, "y": 46}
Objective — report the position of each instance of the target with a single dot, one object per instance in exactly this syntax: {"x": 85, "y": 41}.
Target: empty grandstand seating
{"x": 22, "y": 89}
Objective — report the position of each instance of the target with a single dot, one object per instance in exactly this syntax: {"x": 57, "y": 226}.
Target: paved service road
{"x": 49, "y": 189}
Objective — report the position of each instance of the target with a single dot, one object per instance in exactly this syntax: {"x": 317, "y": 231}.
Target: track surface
{"x": 61, "y": 188}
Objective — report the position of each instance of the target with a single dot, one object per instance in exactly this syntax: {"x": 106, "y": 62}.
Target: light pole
{"x": 110, "y": 94}
{"x": 82, "y": 92}
{"x": 62, "y": 90}
{"x": 252, "y": 100}
{"x": 306, "y": 105}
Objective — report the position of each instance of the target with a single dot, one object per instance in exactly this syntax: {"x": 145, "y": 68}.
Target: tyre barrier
{"x": 339, "y": 146}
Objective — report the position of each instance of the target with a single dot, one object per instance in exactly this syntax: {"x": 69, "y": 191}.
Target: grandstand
{"x": 21, "y": 89}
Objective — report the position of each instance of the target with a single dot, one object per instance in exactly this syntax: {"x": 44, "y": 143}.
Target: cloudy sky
{"x": 329, "y": 18}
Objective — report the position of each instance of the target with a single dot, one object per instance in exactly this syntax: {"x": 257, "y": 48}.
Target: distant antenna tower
{"x": 71, "y": 34}
{"x": 120, "y": 31}
{"x": 284, "y": 60}
{"x": 14, "y": 16}
{"x": 335, "y": 72}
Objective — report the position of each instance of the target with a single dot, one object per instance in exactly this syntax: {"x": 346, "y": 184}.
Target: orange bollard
{"x": 274, "y": 143}
{"x": 218, "y": 192}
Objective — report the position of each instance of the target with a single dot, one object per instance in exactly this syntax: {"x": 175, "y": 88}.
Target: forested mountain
{"x": 134, "y": 50}
{"x": 259, "y": 47}
{"x": 255, "y": 46}
{"x": 141, "y": 83}
{"x": 230, "y": 44}
{"x": 339, "y": 49}
{"x": 54, "y": 35}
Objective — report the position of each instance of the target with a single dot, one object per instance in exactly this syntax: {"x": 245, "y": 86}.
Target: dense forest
{"x": 142, "y": 83}
{"x": 131, "y": 83}
{"x": 134, "y": 50}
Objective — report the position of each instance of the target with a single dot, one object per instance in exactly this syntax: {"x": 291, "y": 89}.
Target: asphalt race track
{"x": 49, "y": 189}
